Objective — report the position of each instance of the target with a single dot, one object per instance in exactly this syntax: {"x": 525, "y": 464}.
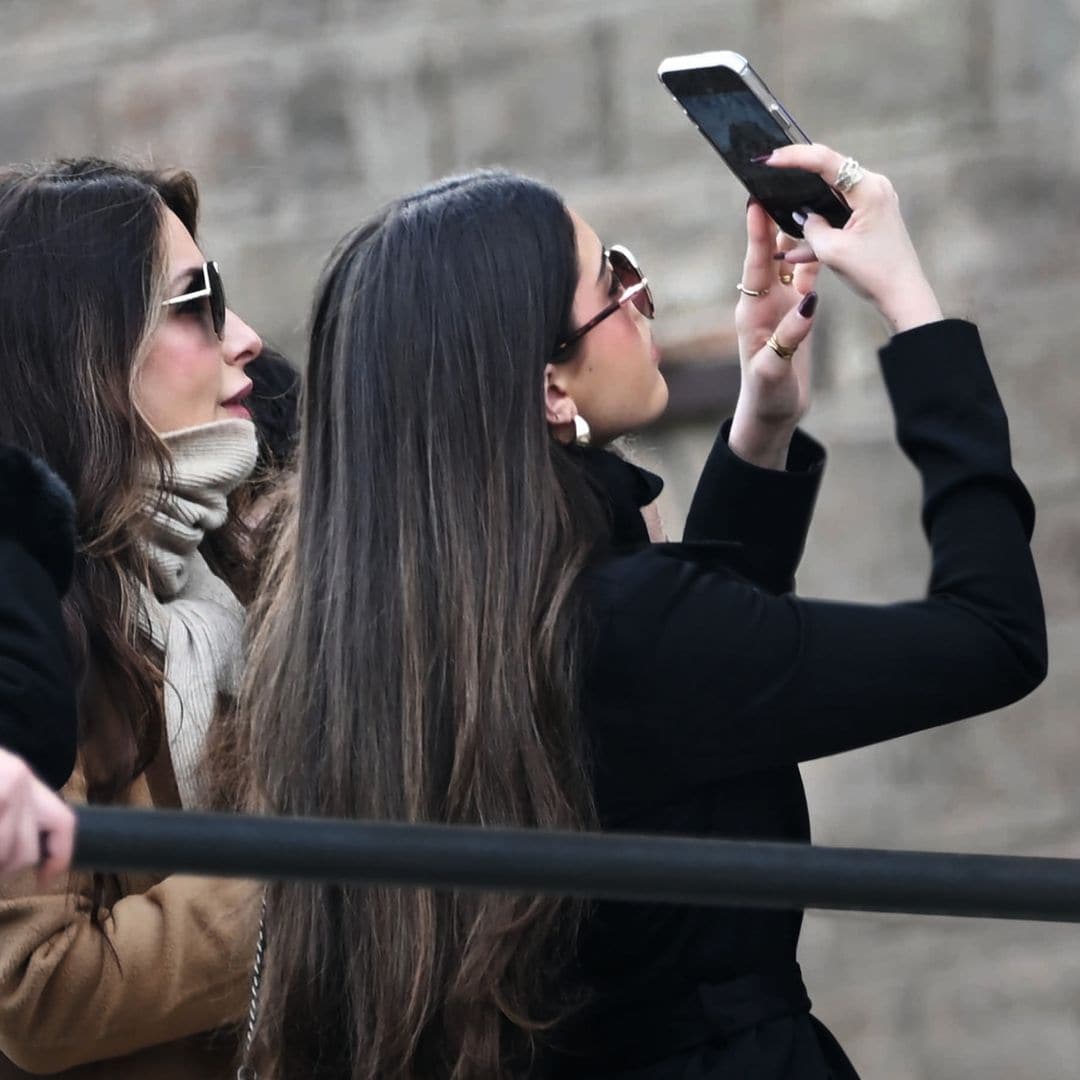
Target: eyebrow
{"x": 186, "y": 277}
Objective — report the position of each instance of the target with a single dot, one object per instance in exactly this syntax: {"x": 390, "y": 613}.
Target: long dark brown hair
{"x": 418, "y": 660}
{"x": 82, "y": 276}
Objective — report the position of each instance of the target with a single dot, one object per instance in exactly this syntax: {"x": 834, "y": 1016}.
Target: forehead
{"x": 181, "y": 250}
{"x": 589, "y": 248}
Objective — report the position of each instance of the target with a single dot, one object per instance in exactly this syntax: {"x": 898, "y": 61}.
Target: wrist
{"x": 761, "y": 443}
{"x": 910, "y": 307}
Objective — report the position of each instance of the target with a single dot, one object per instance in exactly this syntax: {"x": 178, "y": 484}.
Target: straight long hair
{"x": 417, "y": 659}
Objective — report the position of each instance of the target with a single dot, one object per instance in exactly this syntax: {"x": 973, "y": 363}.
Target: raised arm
{"x": 722, "y": 676}
{"x": 761, "y": 478}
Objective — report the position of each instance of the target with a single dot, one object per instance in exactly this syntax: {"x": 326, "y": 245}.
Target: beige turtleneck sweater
{"x": 192, "y": 615}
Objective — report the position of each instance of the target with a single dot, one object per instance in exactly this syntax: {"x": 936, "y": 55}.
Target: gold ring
{"x": 786, "y": 279}
{"x": 756, "y": 293}
{"x": 781, "y": 350}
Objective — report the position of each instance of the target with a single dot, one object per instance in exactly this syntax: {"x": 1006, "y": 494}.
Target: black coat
{"x": 709, "y": 681}
{"x": 37, "y": 544}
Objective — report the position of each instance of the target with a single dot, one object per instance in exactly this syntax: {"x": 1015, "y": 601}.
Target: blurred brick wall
{"x": 301, "y": 117}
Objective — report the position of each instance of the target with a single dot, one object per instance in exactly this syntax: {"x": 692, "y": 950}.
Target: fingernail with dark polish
{"x": 808, "y": 304}
{"x": 778, "y": 256}
{"x": 761, "y": 159}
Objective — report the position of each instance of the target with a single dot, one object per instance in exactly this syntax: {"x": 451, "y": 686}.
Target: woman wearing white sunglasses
{"x": 124, "y": 370}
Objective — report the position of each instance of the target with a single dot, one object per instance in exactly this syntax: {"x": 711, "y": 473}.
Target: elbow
{"x": 1027, "y": 670}
{"x": 1035, "y": 667}
{"x": 1033, "y": 656}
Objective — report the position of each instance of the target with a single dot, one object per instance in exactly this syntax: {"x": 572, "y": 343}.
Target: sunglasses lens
{"x": 217, "y": 300}
{"x": 629, "y": 273}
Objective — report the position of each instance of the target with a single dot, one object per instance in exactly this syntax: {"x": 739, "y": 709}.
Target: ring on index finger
{"x": 755, "y": 293}
{"x": 850, "y": 174}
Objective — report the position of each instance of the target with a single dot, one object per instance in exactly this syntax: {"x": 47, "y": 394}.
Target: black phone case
{"x": 762, "y": 125}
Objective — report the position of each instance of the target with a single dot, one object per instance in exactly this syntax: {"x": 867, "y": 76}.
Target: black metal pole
{"x": 611, "y": 866}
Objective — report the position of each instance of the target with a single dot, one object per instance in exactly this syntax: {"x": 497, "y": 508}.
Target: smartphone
{"x": 729, "y": 104}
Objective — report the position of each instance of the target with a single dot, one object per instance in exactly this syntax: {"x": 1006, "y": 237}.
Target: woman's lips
{"x": 235, "y": 406}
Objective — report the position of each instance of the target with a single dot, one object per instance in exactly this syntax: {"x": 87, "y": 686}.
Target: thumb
{"x": 56, "y": 822}
{"x": 817, "y": 232}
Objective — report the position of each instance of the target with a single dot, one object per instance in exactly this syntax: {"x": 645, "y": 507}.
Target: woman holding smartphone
{"x": 124, "y": 370}
{"x": 473, "y": 627}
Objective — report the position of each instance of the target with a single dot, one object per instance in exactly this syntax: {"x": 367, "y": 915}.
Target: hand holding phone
{"x": 726, "y": 100}
{"x": 875, "y": 255}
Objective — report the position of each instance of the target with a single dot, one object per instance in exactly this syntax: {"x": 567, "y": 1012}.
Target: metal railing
{"x": 609, "y": 866}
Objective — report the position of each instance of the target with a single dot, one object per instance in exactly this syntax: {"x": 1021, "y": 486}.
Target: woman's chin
{"x": 661, "y": 398}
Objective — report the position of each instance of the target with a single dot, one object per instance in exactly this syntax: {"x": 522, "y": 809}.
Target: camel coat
{"x": 168, "y": 1006}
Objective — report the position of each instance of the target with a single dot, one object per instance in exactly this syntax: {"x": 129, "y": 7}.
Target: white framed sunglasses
{"x": 212, "y": 292}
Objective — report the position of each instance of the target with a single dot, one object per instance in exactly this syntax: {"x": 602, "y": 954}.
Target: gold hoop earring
{"x": 582, "y": 433}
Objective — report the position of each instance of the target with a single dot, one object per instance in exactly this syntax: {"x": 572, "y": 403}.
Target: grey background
{"x": 300, "y": 117}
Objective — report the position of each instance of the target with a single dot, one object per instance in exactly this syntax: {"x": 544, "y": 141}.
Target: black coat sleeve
{"x": 700, "y": 670}
{"x": 37, "y": 694}
{"x": 766, "y": 512}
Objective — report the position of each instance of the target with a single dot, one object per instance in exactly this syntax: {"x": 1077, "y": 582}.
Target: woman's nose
{"x": 241, "y": 343}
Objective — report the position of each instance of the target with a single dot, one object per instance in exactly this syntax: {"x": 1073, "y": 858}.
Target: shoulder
{"x": 664, "y": 596}
{"x": 38, "y": 513}
{"x": 655, "y": 572}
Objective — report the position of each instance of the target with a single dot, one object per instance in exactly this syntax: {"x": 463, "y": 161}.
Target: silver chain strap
{"x": 247, "y": 1070}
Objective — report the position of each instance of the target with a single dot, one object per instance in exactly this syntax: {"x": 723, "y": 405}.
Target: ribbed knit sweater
{"x": 192, "y": 615}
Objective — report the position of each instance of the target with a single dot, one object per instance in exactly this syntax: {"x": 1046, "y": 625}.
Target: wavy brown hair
{"x": 418, "y": 660}
{"x": 82, "y": 275}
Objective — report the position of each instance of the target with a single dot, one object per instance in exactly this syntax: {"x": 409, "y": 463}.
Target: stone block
{"x": 222, "y": 119}
{"x": 879, "y": 60}
{"x": 534, "y": 103}
{"x": 1034, "y": 45}
{"x": 58, "y": 119}
{"x": 39, "y": 35}
{"x": 929, "y": 998}
{"x": 649, "y": 130}
{"x": 322, "y": 112}
{"x": 271, "y": 281}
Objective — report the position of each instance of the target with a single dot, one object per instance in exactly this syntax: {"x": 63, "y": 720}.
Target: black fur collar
{"x": 36, "y": 510}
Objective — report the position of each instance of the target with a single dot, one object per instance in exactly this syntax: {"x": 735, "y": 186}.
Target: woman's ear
{"x": 559, "y": 407}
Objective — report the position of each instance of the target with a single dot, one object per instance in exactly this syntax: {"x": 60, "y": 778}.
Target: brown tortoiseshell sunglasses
{"x": 635, "y": 288}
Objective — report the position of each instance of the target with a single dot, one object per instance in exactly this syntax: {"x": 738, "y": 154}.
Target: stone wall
{"x": 300, "y": 117}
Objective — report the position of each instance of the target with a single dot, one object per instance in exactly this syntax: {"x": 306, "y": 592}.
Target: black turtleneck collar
{"x": 623, "y": 489}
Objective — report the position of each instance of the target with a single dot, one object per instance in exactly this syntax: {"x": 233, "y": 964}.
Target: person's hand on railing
{"x": 36, "y": 827}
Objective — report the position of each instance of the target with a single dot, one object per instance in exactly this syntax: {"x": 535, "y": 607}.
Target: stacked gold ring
{"x": 781, "y": 350}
